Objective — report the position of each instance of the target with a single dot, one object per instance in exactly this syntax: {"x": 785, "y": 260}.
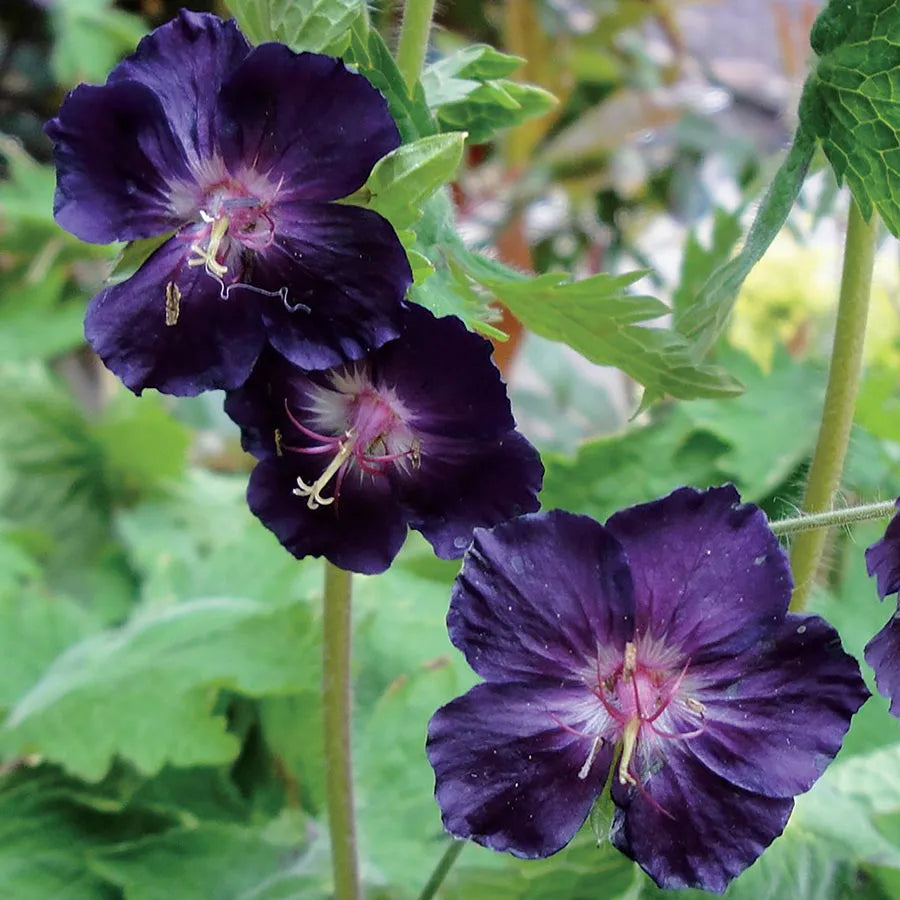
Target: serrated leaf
{"x": 468, "y": 91}
{"x": 146, "y": 692}
{"x": 851, "y": 101}
{"x": 702, "y": 320}
{"x": 598, "y": 319}
{"x": 319, "y": 26}
{"x": 493, "y": 106}
{"x": 403, "y": 180}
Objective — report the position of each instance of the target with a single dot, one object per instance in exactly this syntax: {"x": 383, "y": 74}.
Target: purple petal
{"x": 775, "y": 715}
{"x": 347, "y": 266}
{"x": 883, "y": 655}
{"x": 710, "y": 577}
{"x": 116, "y": 158}
{"x": 472, "y": 405}
{"x": 185, "y": 63}
{"x": 363, "y": 532}
{"x": 507, "y": 772}
{"x": 304, "y": 118}
{"x": 883, "y": 559}
{"x": 213, "y": 344}
{"x": 536, "y": 597}
{"x": 687, "y": 827}
{"x": 470, "y": 484}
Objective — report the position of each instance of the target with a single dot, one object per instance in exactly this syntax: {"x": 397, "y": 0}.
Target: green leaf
{"x": 640, "y": 465}
{"x": 227, "y": 862}
{"x": 403, "y": 180}
{"x": 468, "y": 92}
{"x": 702, "y": 320}
{"x": 46, "y": 839}
{"x": 90, "y": 38}
{"x": 599, "y": 319}
{"x": 222, "y": 549}
{"x": 67, "y": 473}
{"x": 851, "y": 101}
{"x": 147, "y": 691}
{"x": 788, "y": 399}
{"x": 374, "y": 60}
{"x": 699, "y": 262}
{"x": 494, "y": 106}
{"x": 319, "y": 26}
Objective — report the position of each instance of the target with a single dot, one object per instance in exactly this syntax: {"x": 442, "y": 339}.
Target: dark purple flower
{"x": 239, "y": 152}
{"x": 658, "y": 646}
{"x": 883, "y": 651}
{"x": 418, "y": 434}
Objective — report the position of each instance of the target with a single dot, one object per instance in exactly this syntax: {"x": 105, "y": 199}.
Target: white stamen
{"x": 583, "y": 772}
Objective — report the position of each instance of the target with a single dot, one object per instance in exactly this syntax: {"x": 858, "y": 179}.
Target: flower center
{"x": 374, "y": 435}
{"x": 230, "y": 222}
{"x": 643, "y": 699}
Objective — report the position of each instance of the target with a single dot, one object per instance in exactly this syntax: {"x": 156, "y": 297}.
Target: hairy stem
{"x": 337, "y": 703}
{"x": 413, "y": 43}
{"x": 840, "y": 397}
{"x": 848, "y": 516}
{"x": 441, "y": 869}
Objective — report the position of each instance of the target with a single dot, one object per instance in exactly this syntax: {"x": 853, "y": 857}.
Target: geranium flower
{"x": 656, "y": 650}
{"x": 238, "y": 151}
{"x": 417, "y": 434}
{"x": 883, "y": 651}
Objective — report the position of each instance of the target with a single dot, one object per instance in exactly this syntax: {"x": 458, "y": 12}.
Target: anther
{"x": 173, "y": 303}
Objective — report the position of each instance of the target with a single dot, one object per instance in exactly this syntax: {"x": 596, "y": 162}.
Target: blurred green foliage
{"x": 160, "y": 663}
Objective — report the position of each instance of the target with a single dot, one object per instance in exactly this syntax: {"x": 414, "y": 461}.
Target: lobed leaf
{"x": 851, "y": 101}
{"x": 146, "y": 692}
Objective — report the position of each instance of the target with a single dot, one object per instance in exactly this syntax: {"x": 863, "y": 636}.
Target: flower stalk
{"x": 413, "y": 42}
{"x": 445, "y": 863}
{"x": 840, "y": 397}
{"x": 337, "y": 704}
{"x": 882, "y": 510}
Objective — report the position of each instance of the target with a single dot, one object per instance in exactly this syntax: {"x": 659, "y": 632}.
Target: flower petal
{"x": 185, "y": 63}
{"x": 506, "y": 770}
{"x": 687, "y": 827}
{"x": 710, "y": 576}
{"x": 883, "y": 655}
{"x": 536, "y": 597}
{"x": 305, "y": 118}
{"x": 883, "y": 559}
{"x": 115, "y": 157}
{"x": 472, "y": 405}
{"x": 461, "y": 485}
{"x": 346, "y": 274}
{"x": 775, "y": 715}
{"x": 213, "y": 344}
{"x": 362, "y": 532}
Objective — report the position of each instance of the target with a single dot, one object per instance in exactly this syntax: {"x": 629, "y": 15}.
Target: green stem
{"x": 883, "y": 510}
{"x": 413, "y": 43}
{"x": 441, "y": 869}
{"x": 840, "y": 397}
{"x": 337, "y": 703}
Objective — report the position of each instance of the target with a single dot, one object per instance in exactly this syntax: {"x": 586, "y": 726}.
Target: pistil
{"x": 206, "y": 256}
{"x": 314, "y": 491}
